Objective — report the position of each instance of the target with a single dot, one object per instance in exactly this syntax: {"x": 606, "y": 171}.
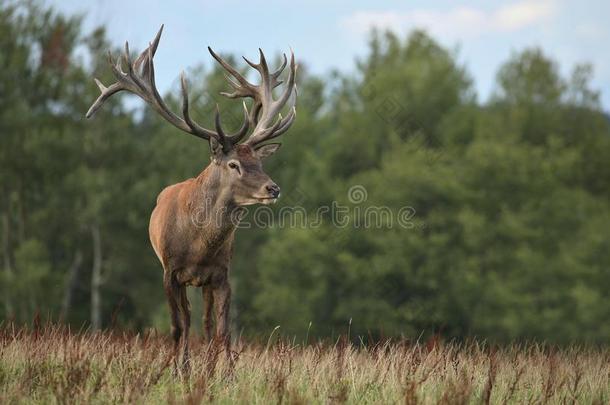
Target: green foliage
{"x": 507, "y": 227}
{"x": 509, "y": 232}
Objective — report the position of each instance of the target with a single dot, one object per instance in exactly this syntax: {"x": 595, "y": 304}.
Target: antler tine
{"x": 242, "y": 87}
{"x": 232, "y": 71}
{"x": 219, "y": 130}
{"x": 236, "y": 86}
{"x": 287, "y": 122}
{"x": 140, "y": 80}
{"x": 244, "y": 128}
{"x": 256, "y": 109}
{"x": 228, "y": 141}
{"x": 283, "y": 124}
{"x": 290, "y": 86}
{"x": 268, "y": 132}
{"x": 185, "y": 109}
{"x": 270, "y": 108}
{"x": 127, "y": 57}
{"x": 157, "y": 101}
{"x": 264, "y": 70}
{"x": 275, "y": 75}
{"x": 265, "y": 108}
{"x": 106, "y": 92}
{"x": 249, "y": 62}
{"x": 143, "y": 56}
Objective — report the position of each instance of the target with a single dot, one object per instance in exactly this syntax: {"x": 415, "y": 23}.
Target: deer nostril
{"x": 273, "y": 189}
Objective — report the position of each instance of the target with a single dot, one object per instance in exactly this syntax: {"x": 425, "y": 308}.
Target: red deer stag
{"x": 193, "y": 226}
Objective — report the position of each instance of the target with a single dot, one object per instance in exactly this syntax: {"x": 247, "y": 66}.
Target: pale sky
{"x": 332, "y": 33}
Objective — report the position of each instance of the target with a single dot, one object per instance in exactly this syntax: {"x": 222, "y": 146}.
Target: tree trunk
{"x": 20, "y": 217}
{"x": 72, "y": 282}
{"x": 96, "y": 279}
{"x": 8, "y": 268}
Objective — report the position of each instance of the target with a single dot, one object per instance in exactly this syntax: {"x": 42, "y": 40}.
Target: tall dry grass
{"x": 50, "y": 364}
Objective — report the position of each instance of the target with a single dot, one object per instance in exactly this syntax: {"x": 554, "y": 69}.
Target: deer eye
{"x": 235, "y": 166}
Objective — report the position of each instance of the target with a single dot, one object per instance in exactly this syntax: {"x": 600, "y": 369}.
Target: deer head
{"x": 238, "y": 160}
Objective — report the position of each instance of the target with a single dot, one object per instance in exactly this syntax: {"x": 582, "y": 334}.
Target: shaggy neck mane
{"x": 209, "y": 199}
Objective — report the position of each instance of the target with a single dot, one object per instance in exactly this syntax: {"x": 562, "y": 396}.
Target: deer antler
{"x": 265, "y": 108}
{"x": 140, "y": 80}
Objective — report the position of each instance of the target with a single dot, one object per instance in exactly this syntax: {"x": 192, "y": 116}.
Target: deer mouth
{"x": 256, "y": 200}
{"x": 267, "y": 200}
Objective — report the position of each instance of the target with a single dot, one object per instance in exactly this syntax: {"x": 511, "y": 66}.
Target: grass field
{"x": 51, "y": 365}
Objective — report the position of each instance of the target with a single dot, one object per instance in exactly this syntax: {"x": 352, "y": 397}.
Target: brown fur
{"x": 192, "y": 232}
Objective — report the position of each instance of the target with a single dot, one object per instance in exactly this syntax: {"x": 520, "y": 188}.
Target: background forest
{"x": 511, "y": 231}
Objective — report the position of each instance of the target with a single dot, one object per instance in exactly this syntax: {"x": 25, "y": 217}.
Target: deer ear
{"x": 267, "y": 150}
{"x": 216, "y": 149}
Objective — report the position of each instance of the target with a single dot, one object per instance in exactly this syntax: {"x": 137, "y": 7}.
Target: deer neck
{"x": 212, "y": 203}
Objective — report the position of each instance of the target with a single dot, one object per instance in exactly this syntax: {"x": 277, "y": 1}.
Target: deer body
{"x": 194, "y": 251}
{"x": 193, "y": 224}
{"x": 191, "y": 230}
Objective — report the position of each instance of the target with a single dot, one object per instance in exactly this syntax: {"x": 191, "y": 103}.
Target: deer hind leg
{"x": 208, "y": 307}
{"x": 173, "y": 294}
{"x": 185, "y": 310}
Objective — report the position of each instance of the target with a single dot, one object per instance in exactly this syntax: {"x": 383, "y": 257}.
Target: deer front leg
{"x": 208, "y": 307}
{"x": 222, "y": 303}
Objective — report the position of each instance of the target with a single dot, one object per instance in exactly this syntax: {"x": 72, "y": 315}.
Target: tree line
{"x": 509, "y": 229}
